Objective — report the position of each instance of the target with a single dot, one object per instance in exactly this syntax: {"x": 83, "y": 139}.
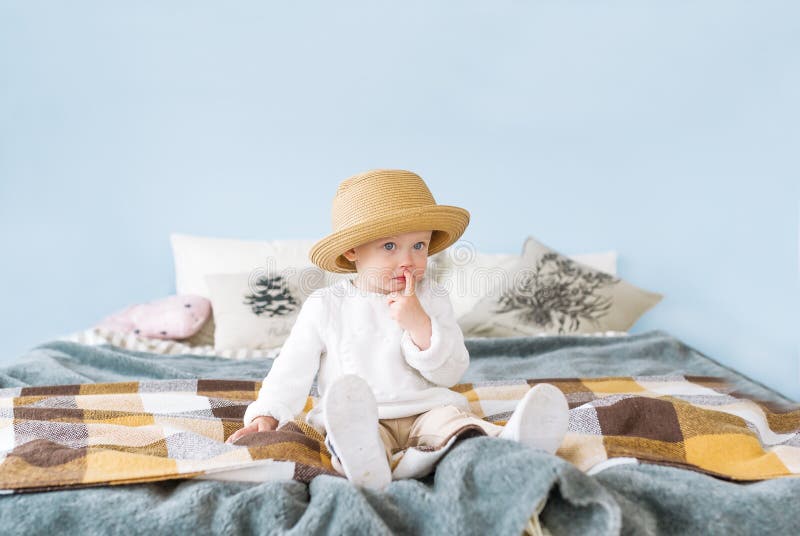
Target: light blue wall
{"x": 667, "y": 131}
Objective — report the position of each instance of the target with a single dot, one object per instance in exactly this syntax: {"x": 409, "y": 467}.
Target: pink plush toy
{"x": 173, "y": 317}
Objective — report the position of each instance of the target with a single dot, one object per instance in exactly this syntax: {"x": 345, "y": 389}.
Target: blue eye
{"x": 388, "y": 244}
{"x": 420, "y": 244}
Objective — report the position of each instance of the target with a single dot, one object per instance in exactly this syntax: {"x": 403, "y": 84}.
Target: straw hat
{"x": 385, "y": 202}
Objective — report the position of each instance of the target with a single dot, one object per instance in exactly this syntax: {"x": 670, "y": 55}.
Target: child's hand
{"x": 406, "y": 309}
{"x": 265, "y": 423}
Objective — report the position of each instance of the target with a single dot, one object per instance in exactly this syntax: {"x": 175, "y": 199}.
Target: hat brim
{"x": 447, "y": 222}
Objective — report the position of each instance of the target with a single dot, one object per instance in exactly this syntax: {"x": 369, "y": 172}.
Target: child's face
{"x": 380, "y": 263}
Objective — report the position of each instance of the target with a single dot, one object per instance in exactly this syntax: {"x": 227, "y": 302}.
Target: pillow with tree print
{"x": 257, "y": 309}
{"x": 547, "y": 292}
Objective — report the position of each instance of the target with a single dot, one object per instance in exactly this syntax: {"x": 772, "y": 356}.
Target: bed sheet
{"x": 624, "y": 498}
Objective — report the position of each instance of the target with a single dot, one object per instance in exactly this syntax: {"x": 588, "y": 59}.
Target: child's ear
{"x": 350, "y": 254}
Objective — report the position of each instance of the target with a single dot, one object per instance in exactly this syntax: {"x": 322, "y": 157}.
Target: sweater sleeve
{"x": 446, "y": 359}
{"x": 284, "y": 391}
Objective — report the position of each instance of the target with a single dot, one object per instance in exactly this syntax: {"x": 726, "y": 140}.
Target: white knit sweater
{"x": 343, "y": 329}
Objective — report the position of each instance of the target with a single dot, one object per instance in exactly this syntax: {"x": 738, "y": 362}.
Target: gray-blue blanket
{"x": 481, "y": 486}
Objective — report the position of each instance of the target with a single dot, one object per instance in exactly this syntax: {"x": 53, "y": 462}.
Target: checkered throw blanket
{"x": 81, "y": 435}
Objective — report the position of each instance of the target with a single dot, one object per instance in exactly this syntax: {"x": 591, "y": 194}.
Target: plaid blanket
{"x": 81, "y": 435}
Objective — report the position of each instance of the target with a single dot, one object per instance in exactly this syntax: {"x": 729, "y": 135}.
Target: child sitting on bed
{"x": 386, "y": 343}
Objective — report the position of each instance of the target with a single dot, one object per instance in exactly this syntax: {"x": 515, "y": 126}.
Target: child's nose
{"x": 406, "y": 262}
{"x": 410, "y": 267}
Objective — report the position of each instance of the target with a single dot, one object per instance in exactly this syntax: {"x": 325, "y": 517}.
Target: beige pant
{"x": 431, "y": 429}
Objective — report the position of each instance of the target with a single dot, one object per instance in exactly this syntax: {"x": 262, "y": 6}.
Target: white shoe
{"x": 540, "y": 419}
{"x": 351, "y": 423}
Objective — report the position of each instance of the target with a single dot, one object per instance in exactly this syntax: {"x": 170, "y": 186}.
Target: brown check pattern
{"x": 62, "y": 436}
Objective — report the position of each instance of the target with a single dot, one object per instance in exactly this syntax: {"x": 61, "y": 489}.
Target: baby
{"x": 385, "y": 345}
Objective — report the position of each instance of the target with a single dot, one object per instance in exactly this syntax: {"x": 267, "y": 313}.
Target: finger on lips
{"x": 409, "y": 289}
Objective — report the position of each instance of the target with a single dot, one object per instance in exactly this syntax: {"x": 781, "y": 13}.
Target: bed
{"x": 481, "y": 485}
{"x": 663, "y": 439}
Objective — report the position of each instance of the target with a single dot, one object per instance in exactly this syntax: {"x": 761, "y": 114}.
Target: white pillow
{"x": 198, "y": 256}
{"x": 468, "y": 274}
{"x": 258, "y": 310}
{"x": 462, "y": 270}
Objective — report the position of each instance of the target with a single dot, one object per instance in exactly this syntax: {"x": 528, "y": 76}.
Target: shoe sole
{"x": 544, "y": 417}
{"x": 349, "y": 406}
